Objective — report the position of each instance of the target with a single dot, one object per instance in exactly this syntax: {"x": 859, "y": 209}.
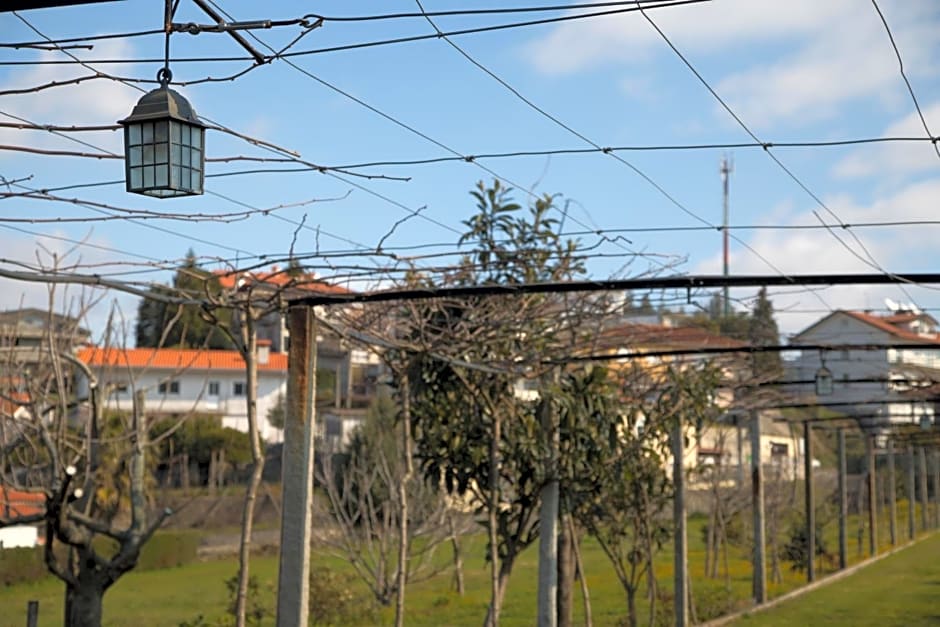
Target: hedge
{"x": 166, "y": 549}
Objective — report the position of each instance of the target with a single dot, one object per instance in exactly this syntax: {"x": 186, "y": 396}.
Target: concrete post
{"x": 924, "y": 503}
{"x": 935, "y": 463}
{"x": 757, "y": 500}
{"x": 548, "y": 524}
{"x": 911, "y": 495}
{"x": 843, "y": 504}
{"x": 297, "y": 473}
{"x": 892, "y": 495}
{"x": 872, "y": 497}
{"x": 810, "y": 501}
{"x": 680, "y": 555}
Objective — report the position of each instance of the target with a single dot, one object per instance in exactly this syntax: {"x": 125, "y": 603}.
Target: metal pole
{"x": 911, "y": 496}
{"x": 548, "y": 525}
{"x": 843, "y": 504}
{"x": 725, "y": 176}
{"x": 740, "y": 433}
{"x": 810, "y": 501}
{"x": 297, "y": 471}
{"x": 681, "y": 551}
{"x": 922, "y": 458}
{"x": 757, "y": 500}
{"x": 872, "y": 498}
{"x": 892, "y": 495}
{"x": 32, "y": 613}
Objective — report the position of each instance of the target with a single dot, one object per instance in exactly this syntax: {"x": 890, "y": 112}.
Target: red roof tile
{"x": 280, "y": 279}
{"x": 656, "y": 336}
{"x": 883, "y": 324}
{"x": 14, "y": 503}
{"x": 175, "y": 359}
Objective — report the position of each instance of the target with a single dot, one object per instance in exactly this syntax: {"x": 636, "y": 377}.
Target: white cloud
{"x": 42, "y": 251}
{"x": 904, "y": 249}
{"x": 798, "y": 60}
{"x": 94, "y": 102}
{"x": 898, "y": 158}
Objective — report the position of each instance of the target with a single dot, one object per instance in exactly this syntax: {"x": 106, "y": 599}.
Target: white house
{"x": 15, "y": 504}
{"x": 179, "y": 381}
{"x": 876, "y": 385}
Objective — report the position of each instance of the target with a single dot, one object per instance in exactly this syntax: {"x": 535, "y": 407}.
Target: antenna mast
{"x": 726, "y": 169}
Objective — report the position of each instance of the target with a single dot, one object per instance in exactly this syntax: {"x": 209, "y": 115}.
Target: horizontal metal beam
{"x": 26, "y": 5}
{"x": 666, "y": 283}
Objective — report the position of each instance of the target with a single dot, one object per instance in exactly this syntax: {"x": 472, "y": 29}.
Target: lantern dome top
{"x": 161, "y": 104}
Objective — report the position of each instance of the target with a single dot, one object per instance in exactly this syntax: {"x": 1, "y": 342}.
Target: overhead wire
{"x": 870, "y": 261}
{"x": 636, "y": 170}
{"x": 361, "y": 45}
{"x": 910, "y": 88}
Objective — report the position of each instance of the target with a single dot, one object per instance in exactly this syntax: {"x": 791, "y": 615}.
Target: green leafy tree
{"x": 616, "y": 429}
{"x": 762, "y": 331}
{"x": 471, "y": 430}
{"x": 181, "y": 326}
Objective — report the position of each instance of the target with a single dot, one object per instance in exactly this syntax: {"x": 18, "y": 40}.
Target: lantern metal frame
{"x": 824, "y": 386}
{"x": 164, "y": 144}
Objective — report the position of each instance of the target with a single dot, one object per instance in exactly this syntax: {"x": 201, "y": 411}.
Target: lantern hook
{"x": 164, "y": 76}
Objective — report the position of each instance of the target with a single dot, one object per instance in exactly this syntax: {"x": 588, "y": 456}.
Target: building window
{"x": 213, "y": 388}
{"x": 238, "y": 388}
{"x": 169, "y": 387}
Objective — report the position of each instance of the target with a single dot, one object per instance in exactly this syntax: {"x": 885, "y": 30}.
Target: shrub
{"x": 796, "y": 549}
{"x": 334, "y": 600}
{"x": 713, "y": 601}
{"x": 22, "y": 565}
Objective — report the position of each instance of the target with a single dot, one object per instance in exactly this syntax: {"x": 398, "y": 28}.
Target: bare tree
{"x": 388, "y": 544}
{"x": 91, "y": 469}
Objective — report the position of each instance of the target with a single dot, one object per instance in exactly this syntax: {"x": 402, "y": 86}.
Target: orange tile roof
{"x": 883, "y": 324}
{"x": 280, "y": 278}
{"x": 175, "y": 359}
{"x": 657, "y": 336}
{"x": 15, "y": 503}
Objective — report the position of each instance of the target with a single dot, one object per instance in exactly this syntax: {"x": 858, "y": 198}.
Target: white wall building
{"x": 872, "y": 385}
{"x": 180, "y": 381}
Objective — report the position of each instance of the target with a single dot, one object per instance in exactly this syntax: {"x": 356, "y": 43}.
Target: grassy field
{"x": 899, "y": 590}
{"x": 169, "y": 597}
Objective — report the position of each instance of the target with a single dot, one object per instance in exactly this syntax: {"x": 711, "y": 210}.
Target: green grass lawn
{"x": 168, "y": 597}
{"x": 901, "y": 589}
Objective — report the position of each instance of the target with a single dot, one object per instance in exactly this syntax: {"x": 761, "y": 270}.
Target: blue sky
{"x": 795, "y": 71}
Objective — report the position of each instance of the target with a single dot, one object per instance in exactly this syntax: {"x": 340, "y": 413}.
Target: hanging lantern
{"x": 164, "y": 152}
{"x": 823, "y": 382}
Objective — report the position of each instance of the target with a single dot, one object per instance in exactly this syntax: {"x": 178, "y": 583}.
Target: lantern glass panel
{"x": 823, "y": 382}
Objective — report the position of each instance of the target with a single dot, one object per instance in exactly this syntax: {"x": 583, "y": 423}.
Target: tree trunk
{"x": 220, "y": 469}
{"x": 631, "y": 607}
{"x": 492, "y": 614}
{"x": 83, "y": 603}
{"x": 210, "y": 483}
{"x": 458, "y": 555}
{"x": 502, "y": 582}
{"x": 579, "y": 569}
{"x": 250, "y": 346}
{"x": 564, "y": 596}
{"x": 184, "y": 470}
{"x": 403, "y": 539}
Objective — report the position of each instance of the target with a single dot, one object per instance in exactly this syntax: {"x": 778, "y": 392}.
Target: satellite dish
{"x": 891, "y": 305}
